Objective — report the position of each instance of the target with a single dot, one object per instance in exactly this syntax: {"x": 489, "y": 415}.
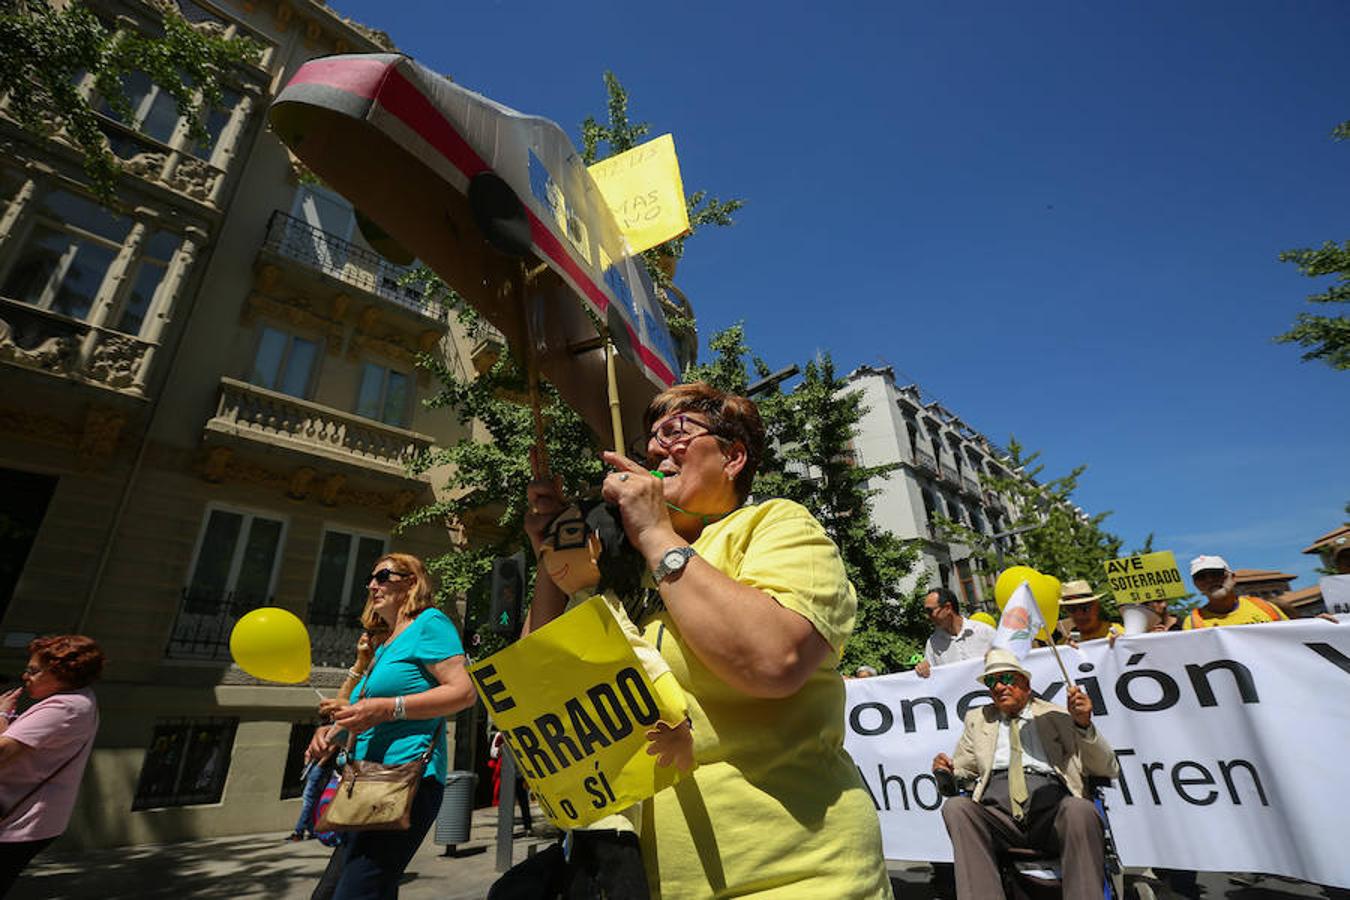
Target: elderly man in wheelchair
{"x": 1030, "y": 762}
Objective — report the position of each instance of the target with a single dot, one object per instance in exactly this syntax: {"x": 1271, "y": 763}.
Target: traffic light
{"x": 507, "y": 594}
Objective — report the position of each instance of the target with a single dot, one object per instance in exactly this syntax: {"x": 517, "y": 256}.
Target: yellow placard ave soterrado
{"x": 574, "y": 704}
{"x": 1145, "y": 577}
{"x": 644, "y": 190}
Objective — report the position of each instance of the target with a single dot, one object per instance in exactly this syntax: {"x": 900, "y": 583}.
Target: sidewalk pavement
{"x": 265, "y": 865}
{"x": 261, "y": 865}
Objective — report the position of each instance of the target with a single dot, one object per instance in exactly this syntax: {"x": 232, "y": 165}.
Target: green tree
{"x": 46, "y": 48}
{"x": 809, "y": 459}
{"x": 1061, "y": 540}
{"x": 489, "y": 469}
{"x": 1326, "y": 337}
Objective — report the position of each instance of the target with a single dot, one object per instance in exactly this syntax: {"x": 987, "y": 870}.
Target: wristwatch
{"x": 672, "y": 561}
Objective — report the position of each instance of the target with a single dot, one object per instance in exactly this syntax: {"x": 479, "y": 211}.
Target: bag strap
{"x": 1266, "y": 608}
{"x": 57, "y": 771}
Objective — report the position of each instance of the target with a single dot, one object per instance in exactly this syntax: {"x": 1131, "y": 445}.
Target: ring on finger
{"x": 623, "y": 477}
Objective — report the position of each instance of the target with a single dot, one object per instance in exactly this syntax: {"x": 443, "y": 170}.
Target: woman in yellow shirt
{"x": 751, "y": 608}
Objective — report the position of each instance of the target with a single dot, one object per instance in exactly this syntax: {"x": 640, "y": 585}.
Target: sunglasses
{"x": 1000, "y": 678}
{"x": 384, "y": 575}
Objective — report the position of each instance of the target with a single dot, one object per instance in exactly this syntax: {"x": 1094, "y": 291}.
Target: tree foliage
{"x": 1061, "y": 541}
{"x": 488, "y": 469}
{"x": 809, "y": 459}
{"x": 1326, "y": 337}
{"x": 47, "y": 49}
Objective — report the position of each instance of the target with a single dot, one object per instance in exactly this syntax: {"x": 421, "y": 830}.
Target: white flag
{"x": 1021, "y": 621}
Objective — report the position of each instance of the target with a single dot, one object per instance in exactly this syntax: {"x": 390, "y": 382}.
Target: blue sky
{"x": 1061, "y": 219}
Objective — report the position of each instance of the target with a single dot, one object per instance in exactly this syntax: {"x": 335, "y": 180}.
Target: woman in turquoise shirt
{"x": 415, "y": 681}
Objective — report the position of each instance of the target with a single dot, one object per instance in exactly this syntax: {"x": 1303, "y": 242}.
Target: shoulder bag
{"x": 373, "y": 796}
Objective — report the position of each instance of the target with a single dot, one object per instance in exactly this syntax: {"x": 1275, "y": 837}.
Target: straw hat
{"x": 1000, "y": 660}
{"x": 1076, "y": 592}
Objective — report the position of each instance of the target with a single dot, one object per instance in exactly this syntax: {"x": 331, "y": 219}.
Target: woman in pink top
{"x": 43, "y": 752}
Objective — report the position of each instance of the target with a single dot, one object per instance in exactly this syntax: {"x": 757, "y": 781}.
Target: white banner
{"x": 1229, "y": 740}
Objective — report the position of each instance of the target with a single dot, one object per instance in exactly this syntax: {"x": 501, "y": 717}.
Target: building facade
{"x": 941, "y": 462}
{"x": 210, "y": 403}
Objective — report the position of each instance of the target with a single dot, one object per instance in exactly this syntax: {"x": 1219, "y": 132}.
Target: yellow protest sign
{"x": 1144, "y": 577}
{"x": 644, "y": 189}
{"x": 574, "y": 704}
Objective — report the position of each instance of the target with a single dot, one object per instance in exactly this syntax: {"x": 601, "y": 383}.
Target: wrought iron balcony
{"x": 297, "y": 240}
{"x": 207, "y": 616}
{"x": 248, "y": 411}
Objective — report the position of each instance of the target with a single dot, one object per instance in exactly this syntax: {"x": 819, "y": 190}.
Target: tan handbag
{"x": 373, "y": 796}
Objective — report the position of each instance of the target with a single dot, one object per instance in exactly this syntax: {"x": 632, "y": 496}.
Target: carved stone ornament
{"x": 301, "y": 483}
{"x": 217, "y": 464}
{"x": 147, "y": 165}
{"x": 116, "y": 360}
{"x": 55, "y": 354}
{"x": 102, "y": 428}
{"x": 296, "y": 311}
{"x": 332, "y": 486}
{"x": 164, "y": 7}
{"x": 194, "y": 178}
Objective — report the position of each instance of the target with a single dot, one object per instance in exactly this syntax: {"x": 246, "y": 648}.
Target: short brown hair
{"x": 423, "y": 596}
{"x": 73, "y": 659}
{"x": 731, "y": 417}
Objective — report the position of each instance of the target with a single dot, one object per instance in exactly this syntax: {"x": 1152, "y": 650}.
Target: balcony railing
{"x": 207, "y": 616}
{"x": 361, "y": 268}
{"x": 925, "y": 460}
{"x": 246, "y": 410}
{"x": 949, "y": 474}
{"x": 969, "y": 482}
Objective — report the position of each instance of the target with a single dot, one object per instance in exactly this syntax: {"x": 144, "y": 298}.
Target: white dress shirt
{"x": 972, "y": 641}
{"x": 1033, "y": 754}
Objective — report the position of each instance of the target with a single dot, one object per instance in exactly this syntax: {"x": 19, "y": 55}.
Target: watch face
{"x": 673, "y": 559}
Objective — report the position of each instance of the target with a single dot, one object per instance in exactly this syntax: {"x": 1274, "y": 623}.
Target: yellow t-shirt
{"x": 1247, "y": 612}
{"x": 775, "y": 808}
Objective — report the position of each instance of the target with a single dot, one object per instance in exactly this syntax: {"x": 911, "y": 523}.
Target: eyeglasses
{"x": 678, "y": 429}
{"x": 33, "y": 670}
{"x": 999, "y": 678}
{"x": 384, "y": 575}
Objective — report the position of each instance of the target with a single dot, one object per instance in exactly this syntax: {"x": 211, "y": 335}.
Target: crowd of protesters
{"x": 748, "y": 606}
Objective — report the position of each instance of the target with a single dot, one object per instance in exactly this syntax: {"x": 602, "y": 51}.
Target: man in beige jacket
{"x": 1029, "y": 760}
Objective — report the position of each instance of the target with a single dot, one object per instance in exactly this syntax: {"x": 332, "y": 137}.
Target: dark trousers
{"x": 523, "y": 799}
{"x": 374, "y": 861}
{"x": 15, "y": 857}
{"x": 1056, "y": 822}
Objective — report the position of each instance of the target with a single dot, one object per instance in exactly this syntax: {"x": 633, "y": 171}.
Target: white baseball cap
{"x": 1201, "y": 563}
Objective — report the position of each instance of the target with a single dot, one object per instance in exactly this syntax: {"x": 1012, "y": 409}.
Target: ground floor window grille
{"x": 186, "y": 763}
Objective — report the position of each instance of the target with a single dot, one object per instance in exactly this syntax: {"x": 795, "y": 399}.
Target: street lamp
{"x": 768, "y": 381}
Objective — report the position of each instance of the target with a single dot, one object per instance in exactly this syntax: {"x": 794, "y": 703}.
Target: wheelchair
{"x": 1032, "y": 875}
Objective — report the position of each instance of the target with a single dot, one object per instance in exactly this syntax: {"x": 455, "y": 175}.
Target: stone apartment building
{"x": 941, "y": 460}
{"x": 209, "y": 401}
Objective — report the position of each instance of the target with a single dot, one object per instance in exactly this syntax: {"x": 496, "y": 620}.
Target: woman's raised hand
{"x": 641, "y": 499}
{"x": 365, "y": 649}
{"x": 544, "y": 497}
{"x": 9, "y": 701}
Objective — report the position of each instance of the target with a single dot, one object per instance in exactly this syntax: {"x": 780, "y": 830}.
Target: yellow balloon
{"x": 1008, "y": 581}
{"x": 271, "y": 644}
{"x": 1045, "y": 588}
{"x": 984, "y": 617}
